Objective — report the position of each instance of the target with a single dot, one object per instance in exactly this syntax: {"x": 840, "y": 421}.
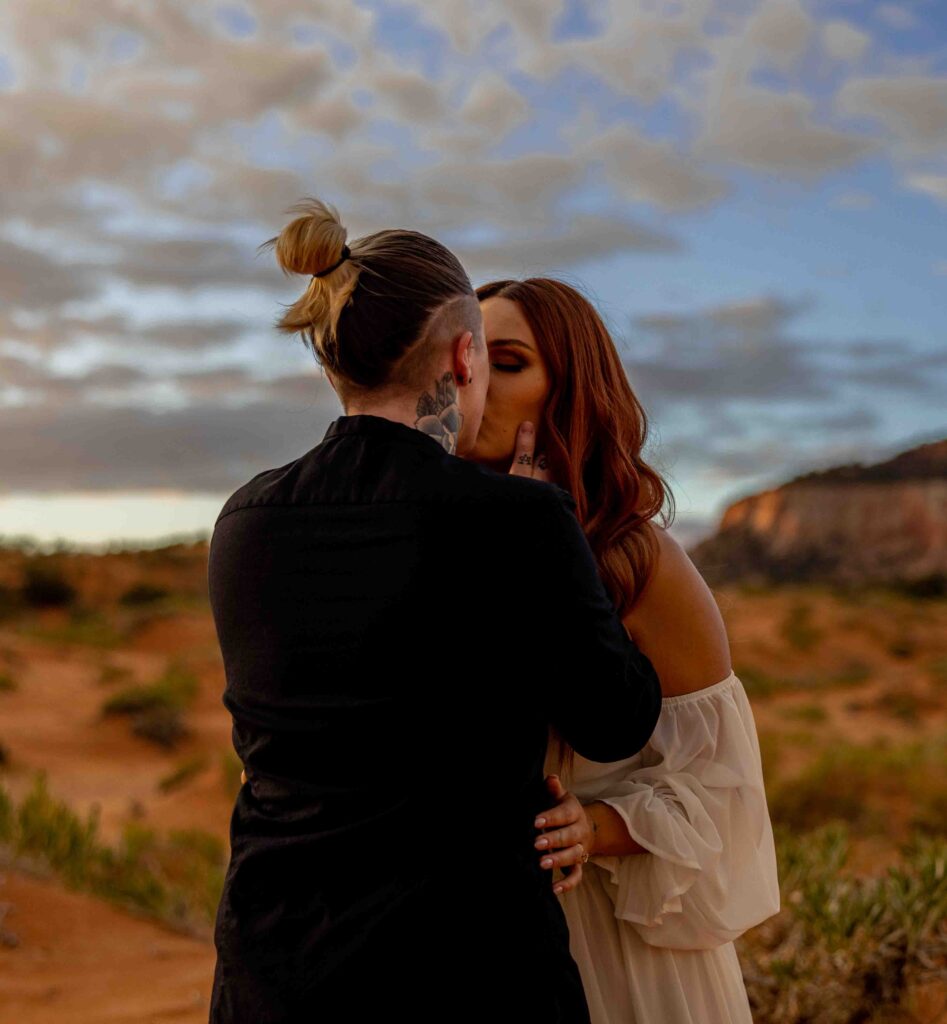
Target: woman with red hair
{"x": 673, "y": 846}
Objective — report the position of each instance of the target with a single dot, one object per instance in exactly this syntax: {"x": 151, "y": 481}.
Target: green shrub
{"x": 937, "y": 669}
{"x": 813, "y": 713}
{"x": 856, "y": 784}
{"x": 11, "y": 602}
{"x": 928, "y": 587}
{"x": 177, "y": 878}
{"x": 758, "y": 683}
{"x": 183, "y": 773}
{"x": 176, "y": 688}
{"x": 846, "y": 949}
{"x": 157, "y": 709}
{"x": 797, "y": 628}
{"x": 88, "y": 627}
{"x": 164, "y": 726}
{"x": 143, "y": 594}
{"x": 901, "y": 704}
{"x": 112, "y": 674}
{"x": 853, "y": 673}
{"x": 902, "y": 647}
{"x": 44, "y": 586}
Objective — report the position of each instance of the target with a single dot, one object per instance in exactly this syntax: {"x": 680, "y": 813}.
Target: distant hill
{"x": 855, "y": 523}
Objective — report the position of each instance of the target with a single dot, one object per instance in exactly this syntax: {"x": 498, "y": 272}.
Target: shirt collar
{"x": 365, "y": 424}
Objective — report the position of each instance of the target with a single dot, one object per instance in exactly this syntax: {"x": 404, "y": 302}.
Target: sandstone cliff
{"x": 881, "y": 523}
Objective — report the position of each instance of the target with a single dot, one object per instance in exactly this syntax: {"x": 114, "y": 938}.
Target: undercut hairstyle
{"x": 376, "y": 320}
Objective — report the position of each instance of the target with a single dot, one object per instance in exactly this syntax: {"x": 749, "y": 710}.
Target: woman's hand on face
{"x": 569, "y": 839}
{"x": 525, "y": 463}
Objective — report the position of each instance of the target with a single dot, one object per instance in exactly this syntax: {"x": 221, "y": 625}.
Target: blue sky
{"x": 753, "y": 192}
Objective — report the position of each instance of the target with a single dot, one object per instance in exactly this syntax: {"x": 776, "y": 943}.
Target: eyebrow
{"x": 513, "y": 342}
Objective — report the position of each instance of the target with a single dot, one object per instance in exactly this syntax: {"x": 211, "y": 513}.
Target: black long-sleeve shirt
{"x": 398, "y": 628}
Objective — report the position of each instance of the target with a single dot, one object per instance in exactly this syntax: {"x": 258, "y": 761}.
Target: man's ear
{"x": 463, "y": 355}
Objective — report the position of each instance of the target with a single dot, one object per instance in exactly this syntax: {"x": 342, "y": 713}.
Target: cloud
{"x": 31, "y": 280}
{"x": 635, "y": 53}
{"x": 844, "y": 42}
{"x": 913, "y": 108}
{"x": 896, "y": 16}
{"x": 771, "y": 131}
{"x": 494, "y": 106}
{"x": 655, "y": 172}
{"x": 933, "y": 185}
{"x": 586, "y": 237}
{"x": 781, "y": 28}
{"x": 191, "y": 265}
{"x": 742, "y": 352}
{"x": 854, "y": 199}
{"x": 202, "y": 448}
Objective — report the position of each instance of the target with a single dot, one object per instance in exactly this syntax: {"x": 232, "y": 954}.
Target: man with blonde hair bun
{"x": 399, "y": 628}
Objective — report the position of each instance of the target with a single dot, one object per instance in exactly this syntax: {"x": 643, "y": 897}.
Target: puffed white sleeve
{"x": 695, "y": 799}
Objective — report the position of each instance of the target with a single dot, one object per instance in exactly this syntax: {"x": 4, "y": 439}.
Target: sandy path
{"x": 131, "y": 972}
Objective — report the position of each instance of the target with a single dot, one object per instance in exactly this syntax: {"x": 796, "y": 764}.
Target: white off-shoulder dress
{"x": 652, "y": 933}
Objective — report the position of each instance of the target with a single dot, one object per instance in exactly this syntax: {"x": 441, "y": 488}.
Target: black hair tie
{"x": 346, "y": 252}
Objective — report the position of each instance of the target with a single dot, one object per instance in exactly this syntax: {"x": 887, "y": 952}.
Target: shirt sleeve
{"x": 697, "y": 803}
{"x": 603, "y": 694}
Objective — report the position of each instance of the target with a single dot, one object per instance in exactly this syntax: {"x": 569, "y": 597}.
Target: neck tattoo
{"x": 438, "y": 415}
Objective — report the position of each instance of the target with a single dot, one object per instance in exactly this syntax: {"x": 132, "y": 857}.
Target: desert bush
{"x": 176, "y": 688}
{"x": 11, "y": 602}
{"x": 853, "y": 673}
{"x": 846, "y": 949}
{"x": 177, "y": 877}
{"x": 184, "y": 772}
{"x": 761, "y": 683}
{"x": 44, "y": 586}
{"x": 902, "y": 647}
{"x": 89, "y": 627}
{"x": 164, "y": 726}
{"x": 937, "y": 669}
{"x": 858, "y": 785}
{"x": 811, "y": 713}
{"x": 7, "y": 819}
{"x": 143, "y": 594}
{"x": 157, "y": 709}
{"x": 758, "y": 683}
{"x": 928, "y": 587}
{"x": 112, "y": 674}
{"x": 901, "y": 704}
{"x": 797, "y": 629}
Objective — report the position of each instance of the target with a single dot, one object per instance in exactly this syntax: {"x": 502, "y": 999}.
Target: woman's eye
{"x": 508, "y": 367}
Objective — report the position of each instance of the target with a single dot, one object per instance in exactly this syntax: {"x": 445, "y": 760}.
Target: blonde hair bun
{"x": 312, "y": 242}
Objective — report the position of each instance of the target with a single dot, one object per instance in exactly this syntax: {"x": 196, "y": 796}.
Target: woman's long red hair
{"x": 593, "y": 430}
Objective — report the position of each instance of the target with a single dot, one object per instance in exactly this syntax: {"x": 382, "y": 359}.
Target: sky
{"x": 752, "y": 192}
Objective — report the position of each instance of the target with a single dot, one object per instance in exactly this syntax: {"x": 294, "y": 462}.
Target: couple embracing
{"x": 498, "y": 764}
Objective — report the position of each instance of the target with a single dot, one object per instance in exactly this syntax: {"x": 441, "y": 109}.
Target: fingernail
{"x": 528, "y": 427}
{"x": 539, "y": 822}
{"x": 542, "y": 843}
{"x": 558, "y": 889}
{"x": 546, "y": 862}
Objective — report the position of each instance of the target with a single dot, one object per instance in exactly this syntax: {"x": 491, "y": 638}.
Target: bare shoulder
{"x": 677, "y": 624}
